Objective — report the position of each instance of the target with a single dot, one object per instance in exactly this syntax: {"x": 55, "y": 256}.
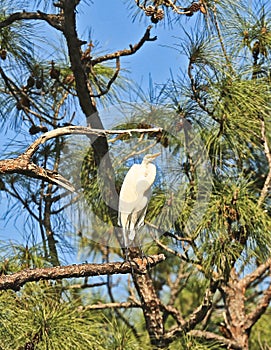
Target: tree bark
{"x": 233, "y": 294}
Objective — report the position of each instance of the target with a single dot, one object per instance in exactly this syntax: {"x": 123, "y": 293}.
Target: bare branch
{"x": 125, "y": 52}
{"x": 101, "y": 306}
{"x": 110, "y": 82}
{"x": 82, "y": 130}
{"x": 53, "y": 20}
{"x": 23, "y": 165}
{"x": 215, "y": 337}
{"x": 199, "y": 314}
{"x": 267, "y": 152}
{"x": 137, "y": 266}
{"x": 260, "y": 309}
{"x": 257, "y": 273}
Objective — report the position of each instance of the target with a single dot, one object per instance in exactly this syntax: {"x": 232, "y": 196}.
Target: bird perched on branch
{"x": 135, "y": 195}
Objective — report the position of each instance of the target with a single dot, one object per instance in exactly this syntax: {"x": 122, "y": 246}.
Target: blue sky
{"x": 112, "y": 26}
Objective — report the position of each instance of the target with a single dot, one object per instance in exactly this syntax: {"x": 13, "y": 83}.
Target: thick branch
{"x": 18, "y": 279}
{"x": 53, "y": 20}
{"x": 260, "y": 309}
{"x": 22, "y": 165}
{"x": 257, "y": 273}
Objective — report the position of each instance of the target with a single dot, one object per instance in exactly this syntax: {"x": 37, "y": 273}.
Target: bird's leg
{"x": 143, "y": 255}
{"x": 129, "y": 259}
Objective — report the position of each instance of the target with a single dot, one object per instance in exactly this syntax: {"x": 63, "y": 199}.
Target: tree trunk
{"x": 233, "y": 294}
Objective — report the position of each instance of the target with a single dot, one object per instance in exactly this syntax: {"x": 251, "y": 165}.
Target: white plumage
{"x": 135, "y": 195}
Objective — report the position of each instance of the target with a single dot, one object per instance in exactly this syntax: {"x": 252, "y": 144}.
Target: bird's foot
{"x": 128, "y": 259}
{"x": 148, "y": 258}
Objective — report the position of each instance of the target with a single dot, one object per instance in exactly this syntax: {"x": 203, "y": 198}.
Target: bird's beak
{"x": 155, "y": 155}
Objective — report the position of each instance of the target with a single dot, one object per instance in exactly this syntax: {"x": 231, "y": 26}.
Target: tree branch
{"x": 137, "y": 266}
{"x": 101, "y": 306}
{"x": 267, "y": 152}
{"x": 23, "y": 165}
{"x": 54, "y": 20}
{"x": 125, "y": 52}
{"x": 215, "y": 337}
{"x": 257, "y": 273}
{"x": 199, "y": 314}
{"x": 260, "y": 309}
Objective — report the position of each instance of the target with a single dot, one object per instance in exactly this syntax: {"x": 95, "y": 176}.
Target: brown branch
{"x": 53, "y": 20}
{"x": 84, "y": 285}
{"x": 126, "y": 52}
{"x": 137, "y": 266}
{"x": 101, "y": 306}
{"x": 199, "y": 314}
{"x": 215, "y": 337}
{"x": 81, "y": 130}
{"x": 23, "y": 165}
{"x": 267, "y": 152}
{"x": 195, "y": 92}
{"x": 257, "y": 273}
{"x": 110, "y": 82}
{"x": 262, "y": 305}
{"x": 175, "y": 313}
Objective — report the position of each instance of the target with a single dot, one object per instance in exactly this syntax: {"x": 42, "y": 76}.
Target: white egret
{"x": 135, "y": 195}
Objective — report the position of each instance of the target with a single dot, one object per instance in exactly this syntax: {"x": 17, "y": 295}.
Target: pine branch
{"x": 262, "y": 305}
{"x": 126, "y": 52}
{"x": 137, "y": 266}
{"x": 199, "y": 314}
{"x": 23, "y": 165}
{"x": 54, "y": 20}
{"x": 215, "y": 337}
{"x": 101, "y": 306}
{"x": 267, "y": 152}
{"x": 257, "y": 273}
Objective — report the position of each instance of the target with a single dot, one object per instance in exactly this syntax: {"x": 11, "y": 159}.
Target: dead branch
{"x": 126, "y": 52}
{"x": 137, "y": 266}
{"x": 260, "y": 309}
{"x": 23, "y": 165}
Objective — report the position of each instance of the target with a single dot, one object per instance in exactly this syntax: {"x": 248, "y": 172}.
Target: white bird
{"x": 135, "y": 195}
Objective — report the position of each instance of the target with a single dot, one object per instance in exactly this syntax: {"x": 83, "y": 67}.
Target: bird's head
{"x": 150, "y": 157}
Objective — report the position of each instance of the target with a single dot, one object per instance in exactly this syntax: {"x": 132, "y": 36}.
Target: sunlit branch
{"x": 101, "y": 306}
{"x": 267, "y": 152}
{"x": 125, "y": 52}
{"x": 53, "y": 20}
{"x": 80, "y": 130}
{"x": 210, "y": 336}
{"x": 136, "y": 265}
